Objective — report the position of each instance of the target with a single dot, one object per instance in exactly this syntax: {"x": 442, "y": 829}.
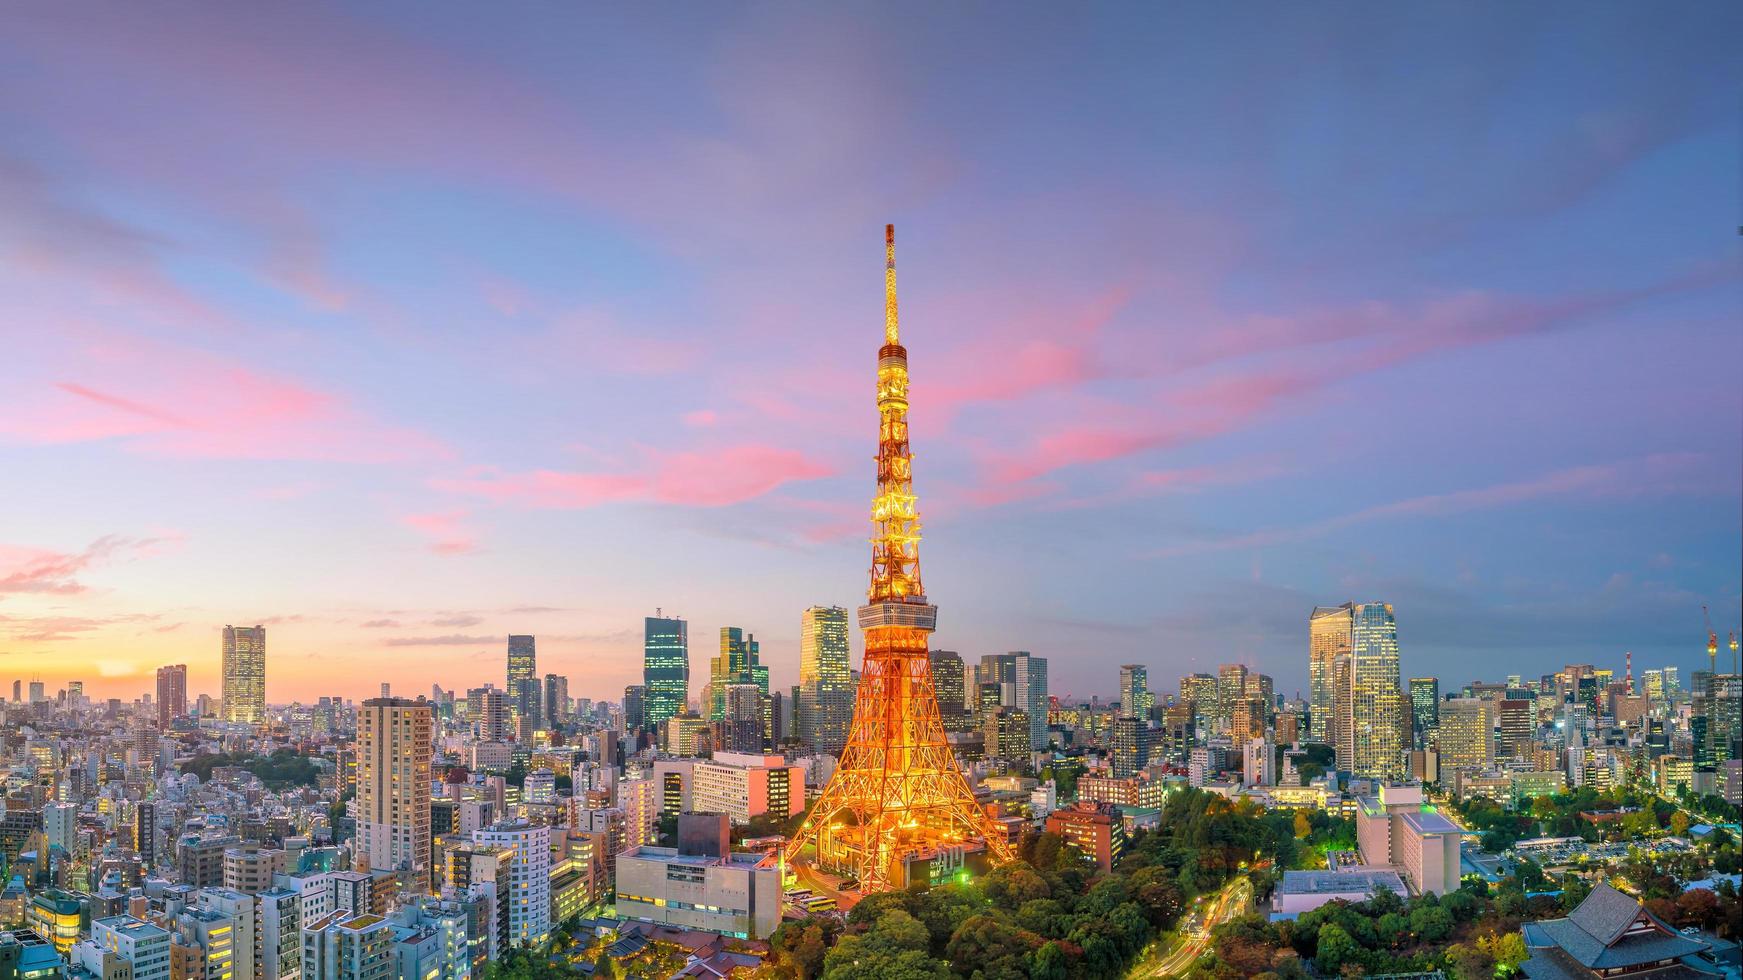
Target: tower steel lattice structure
{"x": 897, "y": 791}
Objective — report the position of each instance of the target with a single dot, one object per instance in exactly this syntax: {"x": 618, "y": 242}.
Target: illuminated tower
{"x": 897, "y": 792}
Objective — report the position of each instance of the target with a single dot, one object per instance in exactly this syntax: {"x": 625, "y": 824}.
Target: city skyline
{"x": 348, "y": 366}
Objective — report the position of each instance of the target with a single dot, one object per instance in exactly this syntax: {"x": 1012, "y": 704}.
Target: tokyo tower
{"x": 897, "y": 792}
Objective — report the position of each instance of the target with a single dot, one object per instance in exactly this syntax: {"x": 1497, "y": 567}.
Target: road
{"x": 1193, "y": 934}
{"x": 825, "y": 884}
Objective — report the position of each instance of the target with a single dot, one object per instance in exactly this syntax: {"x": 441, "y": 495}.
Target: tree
{"x": 1431, "y": 923}
{"x": 1048, "y": 963}
{"x": 1303, "y": 826}
{"x": 1468, "y": 962}
{"x": 1506, "y": 948}
{"x": 1679, "y": 824}
{"x": 1336, "y": 948}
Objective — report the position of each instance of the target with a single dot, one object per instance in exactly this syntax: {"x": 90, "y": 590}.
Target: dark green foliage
{"x": 280, "y": 770}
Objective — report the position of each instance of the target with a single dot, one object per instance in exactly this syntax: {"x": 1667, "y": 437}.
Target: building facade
{"x": 665, "y": 669}
{"x": 393, "y": 786}
{"x": 825, "y": 708}
{"x": 244, "y": 675}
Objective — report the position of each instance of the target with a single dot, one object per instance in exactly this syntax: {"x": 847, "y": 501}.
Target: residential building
{"x": 278, "y": 934}
{"x": 529, "y": 904}
{"x": 172, "y": 694}
{"x": 346, "y": 946}
{"x": 393, "y": 786}
{"x": 143, "y": 946}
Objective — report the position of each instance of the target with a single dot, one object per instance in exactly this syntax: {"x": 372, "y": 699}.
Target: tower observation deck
{"x": 897, "y": 792}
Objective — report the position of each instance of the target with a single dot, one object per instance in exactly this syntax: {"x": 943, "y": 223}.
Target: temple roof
{"x": 1597, "y": 936}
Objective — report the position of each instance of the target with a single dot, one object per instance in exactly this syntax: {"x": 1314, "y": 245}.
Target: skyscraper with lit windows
{"x": 1135, "y": 697}
{"x": 665, "y": 668}
{"x": 1424, "y": 708}
{"x": 1378, "y": 721}
{"x": 524, "y": 695}
{"x": 244, "y": 674}
{"x": 825, "y": 678}
{"x": 739, "y": 662}
{"x": 393, "y": 786}
{"x": 1329, "y": 635}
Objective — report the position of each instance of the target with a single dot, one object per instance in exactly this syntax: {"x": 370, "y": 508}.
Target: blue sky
{"x": 407, "y": 328}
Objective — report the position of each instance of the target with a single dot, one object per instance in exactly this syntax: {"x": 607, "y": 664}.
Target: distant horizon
{"x": 404, "y": 328}
{"x": 1159, "y": 682}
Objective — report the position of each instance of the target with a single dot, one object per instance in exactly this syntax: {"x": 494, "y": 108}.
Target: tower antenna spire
{"x": 890, "y": 332}
{"x": 898, "y": 793}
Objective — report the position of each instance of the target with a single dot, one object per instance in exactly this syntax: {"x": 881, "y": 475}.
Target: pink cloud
{"x": 446, "y": 531}
{"x": 702, "y": 418}
{"x": 34, "y": 570}
{"x": 187, "y": 404}
{"x": 708, "y": 478}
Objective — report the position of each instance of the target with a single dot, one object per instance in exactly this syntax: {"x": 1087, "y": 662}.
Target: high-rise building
{"x": 948, "y": 681}
{"x": 1022, "y": 680}
{"x": 1261, "y": 688}
{"x": 1380, "y": 721}
{"x": 825, "y": 705}
{"x": 556, "y": 700}
{"x": 1198, "y": 693}
{"x": 244, "y": 669}
{"x": 1231, "y": 688}
{"x": 1330, "y": 633}
{"x": 1135, "y": 697}
{"x": 739, "y": 662}
{"x": 172, "y": 694}
{"x": 1132, "y": 743}
{"x": 898, "y": 793}
{"x": 393, "y": 786}
{"x": 1518, "y": 720}
{"x": 1007, "y": 734}
{"x": 524, "y": 697}
{"x": 635, "y": 707}
{"x": 529, "y": 905}
{"x": 1424, "y": 709}
{"x": 488, "y": 709}
{"x": 1465, "y": 734}
{"x": 665, "y": 668}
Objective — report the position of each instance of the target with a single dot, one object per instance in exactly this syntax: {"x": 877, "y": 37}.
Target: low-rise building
{"x": 1304, "y": 891}
{"x": 1095, "y": 829}
{"x": 731, "y": 894}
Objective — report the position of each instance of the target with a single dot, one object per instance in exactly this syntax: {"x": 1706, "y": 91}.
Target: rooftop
{"x": 1350, "y": 881}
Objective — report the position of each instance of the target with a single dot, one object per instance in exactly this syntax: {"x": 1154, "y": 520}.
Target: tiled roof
{"x": 1605, "y": 913}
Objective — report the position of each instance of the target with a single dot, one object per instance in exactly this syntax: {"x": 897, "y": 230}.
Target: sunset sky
{"x": 402, "y": 328}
